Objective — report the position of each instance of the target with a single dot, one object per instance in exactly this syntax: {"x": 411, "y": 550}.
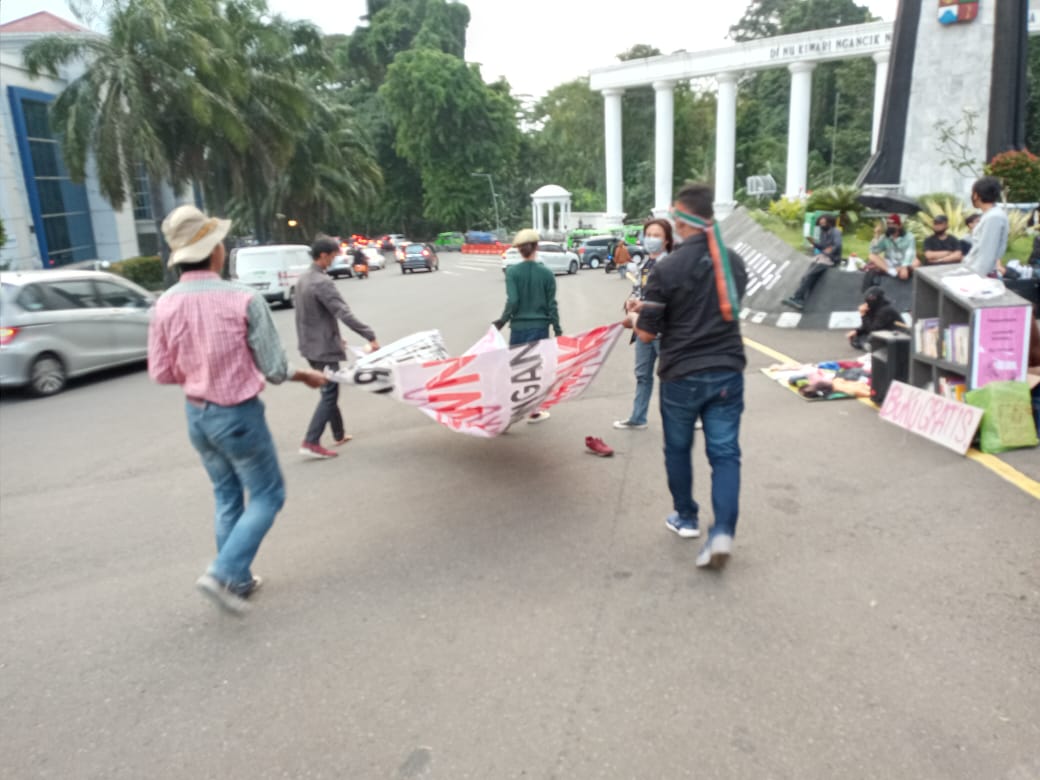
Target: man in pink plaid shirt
{"x": 217, "y": 340}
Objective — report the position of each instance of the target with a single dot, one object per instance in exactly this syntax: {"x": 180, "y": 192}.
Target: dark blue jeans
{"x": 527, "y": 335}
{"x": 646, "y": 356}
{"x": 717, "y": 397}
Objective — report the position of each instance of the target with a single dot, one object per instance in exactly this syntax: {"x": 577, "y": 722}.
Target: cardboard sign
{"x": 942, "y": 420}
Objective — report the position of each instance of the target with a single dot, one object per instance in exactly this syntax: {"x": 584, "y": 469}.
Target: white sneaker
{"x": 221, "y": 595}
{"x": 715, "y": 552}
{"x": 540, "y": 416}
{"x": 625, "y": 425}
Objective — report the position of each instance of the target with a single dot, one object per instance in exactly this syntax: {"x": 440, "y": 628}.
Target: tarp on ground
{"x": 491, "y": 385}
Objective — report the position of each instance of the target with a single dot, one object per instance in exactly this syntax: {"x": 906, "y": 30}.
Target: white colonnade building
{"x": 798, "y": 53}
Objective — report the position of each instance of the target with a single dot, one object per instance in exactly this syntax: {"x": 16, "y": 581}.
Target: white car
{"x": 376, "y": 258}
{"x": 550, "y": 254}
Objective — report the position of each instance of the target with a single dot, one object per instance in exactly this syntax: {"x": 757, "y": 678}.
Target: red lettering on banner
{"x": 583, "y": 354}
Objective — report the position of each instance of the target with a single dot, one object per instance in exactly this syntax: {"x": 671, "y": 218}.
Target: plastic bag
{"x": 1007, "y": 422}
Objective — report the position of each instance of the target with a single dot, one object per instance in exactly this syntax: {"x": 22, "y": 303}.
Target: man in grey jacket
{"x": 318, "y": 307}
{"x": 989, "y": 239}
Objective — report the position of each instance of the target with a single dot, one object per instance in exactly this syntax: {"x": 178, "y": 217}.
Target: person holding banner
{"x": 530, "y": 300}
{"x": 657, "y": 240}
{"x": 692, "y": 300}
{"x": 318, "y": 307}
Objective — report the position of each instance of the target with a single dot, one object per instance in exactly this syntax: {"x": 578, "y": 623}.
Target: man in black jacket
{"x": 693, "y": 301}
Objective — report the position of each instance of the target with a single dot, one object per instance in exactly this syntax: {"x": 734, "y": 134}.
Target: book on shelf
{"x": 926, "y": 336}
{"x": 952, "y": 387}
{"x": 956, "y": 343}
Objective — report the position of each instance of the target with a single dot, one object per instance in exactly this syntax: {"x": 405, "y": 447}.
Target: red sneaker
{"x": 598, "y": 447}
{"x": 316, "y": 451}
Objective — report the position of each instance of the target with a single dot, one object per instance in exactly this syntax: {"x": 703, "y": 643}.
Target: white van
{"x": 273, "y": 270}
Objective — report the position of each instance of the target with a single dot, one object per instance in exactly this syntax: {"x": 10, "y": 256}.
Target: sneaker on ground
{"x": 628, "y": 425}
{"x": 598, "y": 447}
{"x": 684, "y": 526}
{"x": 316, "y": 451}
{"x": 247, "y": 589}
{"x": 340, "y": 442}
{"x": 539, "y": 416}
{"x": 715, "y": 552}
{"x": 221, "y": 595}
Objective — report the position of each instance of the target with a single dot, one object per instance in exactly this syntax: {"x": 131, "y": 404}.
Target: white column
{"x": 880, "y": 83}
{"x": 664, "y": 142}
{"x": 534, "y": 213}
{"x": 798, "y": 129}
{"x": 552, "y": 215}
{"x": 725, "y": 143}
{"x": 612, "y": 131}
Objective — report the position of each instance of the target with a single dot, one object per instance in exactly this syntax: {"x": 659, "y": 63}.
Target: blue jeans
{"x": 327, "y": 411}
{"x": 646, "y": 356}
{"x": 239, "y": 455}
{"x": 717, "y": 397}
{"x": 527, "y": 335}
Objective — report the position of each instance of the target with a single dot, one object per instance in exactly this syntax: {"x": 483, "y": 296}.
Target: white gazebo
{"x": 551, "y": 207}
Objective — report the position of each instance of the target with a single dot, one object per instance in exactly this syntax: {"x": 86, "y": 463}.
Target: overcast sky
{"x": 535, "y": 44}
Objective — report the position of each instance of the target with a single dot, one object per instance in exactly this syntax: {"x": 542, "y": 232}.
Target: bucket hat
{"x": 192, "y": 235}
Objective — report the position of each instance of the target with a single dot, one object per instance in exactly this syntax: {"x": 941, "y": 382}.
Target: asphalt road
{"x": 438, "y": 606}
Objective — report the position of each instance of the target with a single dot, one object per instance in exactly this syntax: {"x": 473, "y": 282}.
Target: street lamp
{"x": 494, "y": 200}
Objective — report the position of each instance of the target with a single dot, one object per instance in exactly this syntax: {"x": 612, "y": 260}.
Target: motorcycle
{"x": 360, "y": 266}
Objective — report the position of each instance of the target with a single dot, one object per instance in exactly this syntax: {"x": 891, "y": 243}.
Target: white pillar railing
{"x": 798, "y": 129}
{"x": 725, "y": 143}
{"x": 880, "y": 83}
{"x": 664, "y": 142}
{"x": 612, "y": 129}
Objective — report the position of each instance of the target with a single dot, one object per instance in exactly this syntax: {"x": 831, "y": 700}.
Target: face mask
{"x": 653, "y": 244}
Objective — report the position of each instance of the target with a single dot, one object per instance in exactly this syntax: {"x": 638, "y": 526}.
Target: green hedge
{"x": 145, "y": 271}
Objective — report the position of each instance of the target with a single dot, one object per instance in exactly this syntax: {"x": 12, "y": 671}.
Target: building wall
{"x": 115, "y": 235}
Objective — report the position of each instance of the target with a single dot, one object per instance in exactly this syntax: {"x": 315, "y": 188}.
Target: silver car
{"x": 58, "y": 324}
{"x": 550, "y": 254}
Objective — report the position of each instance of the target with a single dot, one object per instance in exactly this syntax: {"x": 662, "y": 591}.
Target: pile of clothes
{"x": 830, "y": 380}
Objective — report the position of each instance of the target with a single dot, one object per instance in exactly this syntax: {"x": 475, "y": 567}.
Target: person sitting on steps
{"x": 891, "y": 254}
{"x": 828, "y": 248}
{"x": 877, "y": 313}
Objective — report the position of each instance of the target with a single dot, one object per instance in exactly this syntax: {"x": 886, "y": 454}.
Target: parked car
{"x": 552, "y": 255}
{"x": 376, "y": 258}
{"x": 392, "y": 241}
{"x": 416, "y": 255}
{"x": 59, "y": 324}
{"x": 593, "y": 252}
{"x": 341, "y": 265}
{"x": 273, "y": 270}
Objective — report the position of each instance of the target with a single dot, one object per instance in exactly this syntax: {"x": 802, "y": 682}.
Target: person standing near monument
{"x": 990, "y": 237}
{"x": 318, "y": 307}
{"x": 217, "y": 341}
{"x": 692, "y": 301}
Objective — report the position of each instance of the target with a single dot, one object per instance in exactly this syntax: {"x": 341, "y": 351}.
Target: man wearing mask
{"x": 692, "y": 300}
{"x": 989, "y": 238}
{"x": 940, "y": 248}
{"x": 828, "y": 248}
{"x": 892, "y": 253}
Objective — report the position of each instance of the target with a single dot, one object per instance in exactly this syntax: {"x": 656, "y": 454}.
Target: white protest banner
{"x": 942, "y": 420}
{"x": 373, "y": 371}
{"x": 483, "y": 393}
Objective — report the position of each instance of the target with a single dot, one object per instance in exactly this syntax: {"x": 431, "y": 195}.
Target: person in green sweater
{"x": 530, "y": 300}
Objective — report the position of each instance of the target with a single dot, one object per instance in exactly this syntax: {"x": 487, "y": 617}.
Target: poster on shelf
{"x": 1001, "y": 342}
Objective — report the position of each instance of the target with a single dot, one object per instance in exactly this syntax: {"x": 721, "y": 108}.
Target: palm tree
{"x": 144, "y": 95}
{"x": 842, "y": 198}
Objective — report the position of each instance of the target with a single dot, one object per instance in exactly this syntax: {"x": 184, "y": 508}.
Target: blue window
{"x": 61, "y": 215}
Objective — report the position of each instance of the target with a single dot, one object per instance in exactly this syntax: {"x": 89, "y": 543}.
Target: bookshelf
{"x": 960, "y": 343}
